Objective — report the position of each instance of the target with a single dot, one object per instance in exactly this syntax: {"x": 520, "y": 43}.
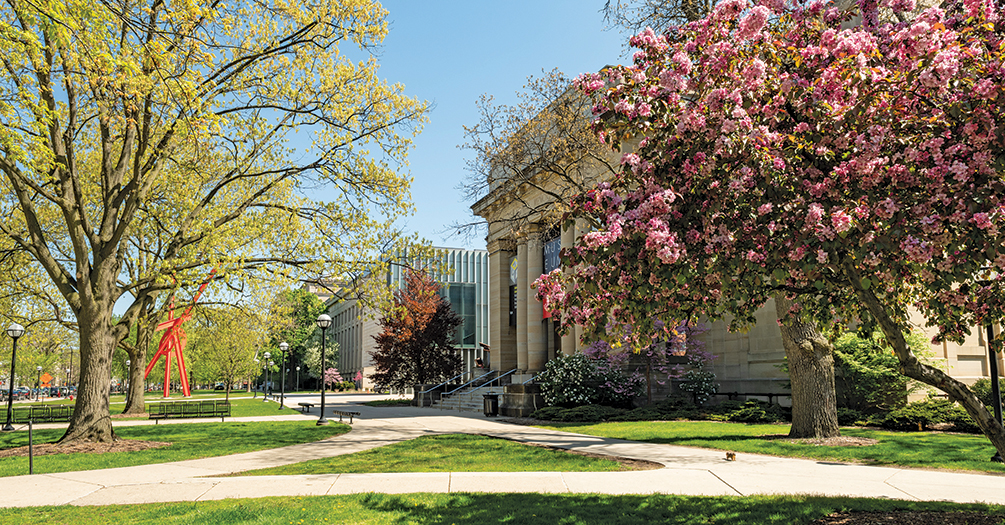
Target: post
{"x": 38, "y": 383}
{"x": 324, "y": 321}
{"x": 14, "y": 331}
{"x": 282, "y": 389}
{"x": 996, "y": 395}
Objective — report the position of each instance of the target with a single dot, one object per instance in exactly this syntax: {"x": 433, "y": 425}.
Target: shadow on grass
{"x": 512, "y": 509}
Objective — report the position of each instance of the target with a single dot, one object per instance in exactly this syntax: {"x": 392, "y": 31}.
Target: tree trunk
{"x": 135, "y": 402}
{"x": 811, "y": 372}
{"x": 911, "y": 367}
{"x": 91, "y": 418}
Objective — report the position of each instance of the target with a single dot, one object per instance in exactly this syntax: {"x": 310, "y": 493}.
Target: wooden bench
{"x": 304, "y": 406}
{"x": 189, "y": 409}
{"x": 341, "y": 413}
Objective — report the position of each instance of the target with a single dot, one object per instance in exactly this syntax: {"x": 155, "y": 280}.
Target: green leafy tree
{"x": 226, "y": 343}
{"x": 174, "y": 123}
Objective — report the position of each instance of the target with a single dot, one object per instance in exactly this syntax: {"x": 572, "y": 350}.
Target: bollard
{"x": 31, "y": 451}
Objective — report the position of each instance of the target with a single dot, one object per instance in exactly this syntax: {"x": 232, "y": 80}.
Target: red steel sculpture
{"x": 173, "y": 342}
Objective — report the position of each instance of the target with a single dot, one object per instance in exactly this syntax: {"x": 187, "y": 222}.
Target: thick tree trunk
{"x": 811, "y": 372}
{"x": 911, "y": 367}
{"x": 90, "y": 420}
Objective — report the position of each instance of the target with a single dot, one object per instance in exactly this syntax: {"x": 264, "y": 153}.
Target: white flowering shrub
{"x": 577, "y": 380}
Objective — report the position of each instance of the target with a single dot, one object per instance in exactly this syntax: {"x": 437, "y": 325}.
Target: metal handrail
{"x": 531, "y": 379}
{"x": 490, "y": 372}
{"x": 443, "y": 383}
{"x": 487, "y": 383}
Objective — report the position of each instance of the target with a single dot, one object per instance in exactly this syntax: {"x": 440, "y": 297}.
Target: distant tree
{"x": 293, "y": 316}
{"x": 416, "y": 342}
{"x": 225, "y": 344}
{"x": 312, "y": 353}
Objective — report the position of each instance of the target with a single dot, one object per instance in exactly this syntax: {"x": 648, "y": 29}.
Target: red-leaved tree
{"x": 416, "y": 342}
{"x": 855, "y": 172}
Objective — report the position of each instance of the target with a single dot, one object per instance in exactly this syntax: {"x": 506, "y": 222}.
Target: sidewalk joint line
{"x": 724, "y": 482}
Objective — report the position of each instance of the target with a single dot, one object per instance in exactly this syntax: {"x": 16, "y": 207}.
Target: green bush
{"x": 548, "y": 413}
{"x": 919, "y": 415}
{"x": 867, "y": 374}
{"x": 589, "y": 414}
{"x": 700, "y": 384}
{"x": 982, "y": 389}
{"x": 849, "y": 416}
{"x": 962, "y": 422}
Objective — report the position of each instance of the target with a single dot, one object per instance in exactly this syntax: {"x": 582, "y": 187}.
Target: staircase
{"x": 469, "y": 398}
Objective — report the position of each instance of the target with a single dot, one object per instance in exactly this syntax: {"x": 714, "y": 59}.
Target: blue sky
{"x": 451, "y": 52}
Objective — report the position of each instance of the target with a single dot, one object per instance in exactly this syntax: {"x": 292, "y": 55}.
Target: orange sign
{"x": 45, "y": 379}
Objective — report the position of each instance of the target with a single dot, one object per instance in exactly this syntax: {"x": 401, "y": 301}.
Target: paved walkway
{"x": 687, "y": 470}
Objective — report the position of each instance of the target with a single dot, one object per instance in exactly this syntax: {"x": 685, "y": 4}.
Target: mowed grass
{"x": 909, "y": 449}
{"x": 389, "y": 403}
{"x": 189, "y": 441}
{"x": 449, "y": 453}
{"x": 511, "y": 509}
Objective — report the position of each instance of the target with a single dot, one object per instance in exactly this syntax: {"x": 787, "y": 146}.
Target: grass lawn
{"x": 449, "y": 453}
{"x": 909, "y": 449}
{"x": 189, "y": 441}
{"x": 512, "y": 509}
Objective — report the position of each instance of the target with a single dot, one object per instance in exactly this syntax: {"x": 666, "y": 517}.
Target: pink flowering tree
{"x": 332, "y": 377}
{"x": 857, "y": 172}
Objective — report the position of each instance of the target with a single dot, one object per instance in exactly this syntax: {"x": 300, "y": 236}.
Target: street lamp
{"x": 282, "y": 388}
{"x": 14, "y": 331}
{"x": 38, "y": 383}
{"x": 324, "y": 321}
{"x": 268, "y": 364}
{"x": 298, "y": 378}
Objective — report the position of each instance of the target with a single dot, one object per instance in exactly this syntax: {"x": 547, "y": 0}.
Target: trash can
{"x": 491, "y": 404}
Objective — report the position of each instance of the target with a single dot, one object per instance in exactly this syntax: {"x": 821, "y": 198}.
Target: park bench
{"x": 341, "y": 413}
{"x": 733, "y": 395}
{"x": 188, "y": 409}
{"x": 305, "y": 406}
{"x": 42, "y": 413}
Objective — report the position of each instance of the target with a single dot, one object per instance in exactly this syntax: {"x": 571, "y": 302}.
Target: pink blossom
{"x": 764, "y": 209}
{"x": 840, "y": 221}
{"x": 814, "y": 214}
{"x": 981, "y": 220}
{"x": 752, "y": 24}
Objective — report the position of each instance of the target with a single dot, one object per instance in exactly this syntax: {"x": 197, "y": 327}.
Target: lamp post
{"x": 282, "y": 388}
{"x": 265, "y": 391}
{"x": 324, "y": 321}
{"x": 988, "y": 275}
{"x": 298, "y": 378}
{"x": 14, "y": 331}
{"x": 38, "y": 383}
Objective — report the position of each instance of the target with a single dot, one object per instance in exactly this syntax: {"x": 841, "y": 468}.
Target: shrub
{"x": 962, "y": 422}
{"x": 589, "y": 414}
{"x": 577, "y": 379}
{"x": 867, "y": 373}
{"x": 849, "y": 416}
{"x": 916, "y": 416}
{"x": 547, "y": 413}
{"x": 982, "y": 389}
{"x": 699, "y": 383}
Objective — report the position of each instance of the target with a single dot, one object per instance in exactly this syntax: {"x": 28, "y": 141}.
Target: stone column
{"x": 569, "y": 338}
{"x": 537, "y": 347}
{"x": 580, "y": 229}
{"x": 502, "y": 337}
{"x": 522, "y": 284}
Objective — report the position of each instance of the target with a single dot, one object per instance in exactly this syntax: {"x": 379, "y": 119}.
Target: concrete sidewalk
{"x": 687, "y": 470}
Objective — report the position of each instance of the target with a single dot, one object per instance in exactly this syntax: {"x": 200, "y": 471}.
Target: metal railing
{"x": 443, "y": 383}
{"x": 531, "y": 379}
{"x": 469, "y": 383}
